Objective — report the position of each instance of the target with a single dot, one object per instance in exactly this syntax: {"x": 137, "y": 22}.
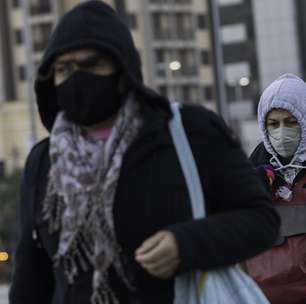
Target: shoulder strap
{"x": 187, "y": 163}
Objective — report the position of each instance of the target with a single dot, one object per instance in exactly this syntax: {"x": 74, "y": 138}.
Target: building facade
{"x": 174, "y": 39}
{"x": 280, "y": 38}
{"x": 16, "y": 121}
{"x": 261, "y": 41}
{"x": 15, "y": 129}
{"x": 171, "y": 35}
{"x": 7, "y": 81}
{"x": 240, "y": 58}
{"x": 41, "y": 17}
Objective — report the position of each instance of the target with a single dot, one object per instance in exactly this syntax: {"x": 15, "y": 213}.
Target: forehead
{"x": 83, "y": 54}
{"x": 279, "y": 114}
{"x": 76, "y": 55}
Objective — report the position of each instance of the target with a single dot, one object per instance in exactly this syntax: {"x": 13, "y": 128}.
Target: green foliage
{"x": 9, "y": 197}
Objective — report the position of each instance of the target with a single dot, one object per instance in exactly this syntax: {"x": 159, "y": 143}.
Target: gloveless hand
{"x": 159, "y": 255}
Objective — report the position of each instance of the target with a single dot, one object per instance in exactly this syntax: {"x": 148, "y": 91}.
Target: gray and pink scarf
{"x": 80, "y": 195}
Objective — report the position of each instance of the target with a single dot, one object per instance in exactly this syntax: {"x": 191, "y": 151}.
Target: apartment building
{"x": 42, "y": 14}
{"x": 2, "y": 87}
{"x": 240, "y": 57}
{"x": 280, "y": 38}
{"x": 7, "y": 84}
{"x": 15, "y": 117}
{"x": 174, "y": 43}
{"x": 172, "y": 36}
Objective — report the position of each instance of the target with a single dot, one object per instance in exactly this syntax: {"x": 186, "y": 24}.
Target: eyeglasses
{"x": 93, "y": 64}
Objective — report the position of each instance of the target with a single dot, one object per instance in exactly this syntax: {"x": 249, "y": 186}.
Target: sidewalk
{"x": 3, "y": 294}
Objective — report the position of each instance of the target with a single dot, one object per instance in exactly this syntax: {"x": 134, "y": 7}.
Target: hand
{"x": 159, "y": 255}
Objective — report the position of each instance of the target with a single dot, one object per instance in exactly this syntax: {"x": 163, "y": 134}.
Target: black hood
{"x": 92, "y": 24}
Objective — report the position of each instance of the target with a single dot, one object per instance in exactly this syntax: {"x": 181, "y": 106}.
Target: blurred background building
{"x": 174, "y": 38}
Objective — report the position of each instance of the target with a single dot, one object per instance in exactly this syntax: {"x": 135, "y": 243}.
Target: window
{"x": 208, "y": 93}
{"x": 15, "y": 3}
{"x": 182, "y": 1}
{"x": 160, "y": 70}
{"x": 132, "y": 21}
{"x": 184, "y": 26}
{"x": 231, "y": 92}
{"x": 40, "y": 7}
{"x": 188, "y": 61}
{"x": 176, "y": 2}
{"x": 234, "y": 71}
{"x": 186, "y": 58}
{"x": 190, "y": 94}
{"x": 229, "y": 2}
{"x": 234, "y": 33}
{"x": 161, "y": 27}
{"x": 22, "y": 73}
{"x": 162, "y": 90}
{"x": 40, "y": 35}
{"x": 172, "y": 26}
{"x": 160, "y": 56}
{"x": 18, "y": 36}
{"x": 205, "y": 57}
{"x": 202, "y": 22}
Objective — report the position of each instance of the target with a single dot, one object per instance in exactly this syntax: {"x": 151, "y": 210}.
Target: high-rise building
{"x": 171, "y": 35}
{"x": 174, "y": 42}
{"x": 41, "y": 16}
{"x": 240, "y": 58}
{"x": 7, "y": 83}
{"x": 2, "y": 93}
{"x": 174, "y": 39}
{"x": 278, "y": 45}
{"x": 301, "y": 30}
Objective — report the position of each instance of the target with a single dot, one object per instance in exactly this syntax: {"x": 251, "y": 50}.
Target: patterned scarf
{"x": 80, "y": 196}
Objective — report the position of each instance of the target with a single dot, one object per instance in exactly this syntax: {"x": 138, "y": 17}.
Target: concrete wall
{"x": 15, "y": 133}
{"x": 1, "y": 75}
{"x": 277, "y": 41}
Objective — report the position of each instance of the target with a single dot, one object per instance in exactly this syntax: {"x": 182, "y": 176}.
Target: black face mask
{"x": 88, "y": 99}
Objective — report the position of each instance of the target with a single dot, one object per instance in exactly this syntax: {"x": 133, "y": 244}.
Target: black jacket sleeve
{"x": 260, "y": 157}
{"x": 32, "y": 277}
{"x": 241, "y": 221}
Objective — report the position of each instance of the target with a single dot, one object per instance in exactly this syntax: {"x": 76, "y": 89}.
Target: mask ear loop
{"x": 280, "y": 165}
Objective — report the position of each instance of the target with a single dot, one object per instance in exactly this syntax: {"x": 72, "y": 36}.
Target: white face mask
{"x": 284, "y": 140}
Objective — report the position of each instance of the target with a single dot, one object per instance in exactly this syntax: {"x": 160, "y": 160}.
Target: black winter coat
{"x": 151, "y": 193}
{"x": 151, "y": 196}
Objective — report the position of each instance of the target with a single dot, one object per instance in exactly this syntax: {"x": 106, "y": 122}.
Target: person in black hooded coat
{"x": 151, "y": 207}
